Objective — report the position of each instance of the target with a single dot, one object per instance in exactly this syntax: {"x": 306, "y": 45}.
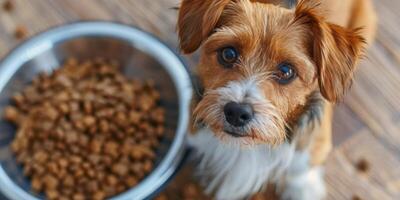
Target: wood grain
{"x": 366, "y": 124}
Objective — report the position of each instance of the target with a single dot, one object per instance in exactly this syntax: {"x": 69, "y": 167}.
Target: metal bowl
{"x": 141, "y": 56}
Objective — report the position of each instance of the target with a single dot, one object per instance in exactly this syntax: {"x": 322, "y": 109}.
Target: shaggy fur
{"x": 291, "y": 119}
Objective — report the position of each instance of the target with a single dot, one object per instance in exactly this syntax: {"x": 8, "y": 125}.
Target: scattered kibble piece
{"x": 20, "y": 32}
{"x": 355, "y": 197}
{"x": 79, "y": 139}
{"x": 362, "y": 165}
{"x": 8, "y": 5}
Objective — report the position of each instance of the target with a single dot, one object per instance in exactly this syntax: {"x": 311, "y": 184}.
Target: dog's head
{"x": 260, "y": 63}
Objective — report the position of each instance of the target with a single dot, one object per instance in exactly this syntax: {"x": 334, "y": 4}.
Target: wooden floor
{"x": 366, "y": 124}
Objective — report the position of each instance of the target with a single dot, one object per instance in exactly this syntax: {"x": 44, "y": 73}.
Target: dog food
{"x": 355, "y": 197}
{"x": 20, "y": 32}
{"x": 362, "y": 165}
{"x": 8, "y": 5}
{"x": 86, "y": 131}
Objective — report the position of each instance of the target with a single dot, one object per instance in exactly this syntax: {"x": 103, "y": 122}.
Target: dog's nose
{"x": 238, "y": 114}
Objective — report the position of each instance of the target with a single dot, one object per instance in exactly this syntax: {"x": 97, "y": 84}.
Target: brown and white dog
{"x": 270, "y": 76}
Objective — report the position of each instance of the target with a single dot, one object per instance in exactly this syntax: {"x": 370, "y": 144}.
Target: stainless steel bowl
{"x": 141, "y": 55}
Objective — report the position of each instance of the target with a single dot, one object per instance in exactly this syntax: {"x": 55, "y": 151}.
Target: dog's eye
{"x": 228, "y": 56}
{"x": 285, "y": 74}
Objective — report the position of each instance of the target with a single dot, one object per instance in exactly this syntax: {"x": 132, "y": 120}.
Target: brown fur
{"x": 324, "y": 54}
{"x": 196, "y": 21}
{"x": 324, "y": 46}
{"x": 334, "y": 50}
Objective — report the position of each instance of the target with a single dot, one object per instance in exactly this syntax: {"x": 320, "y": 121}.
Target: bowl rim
{"x": 146, "y": 42}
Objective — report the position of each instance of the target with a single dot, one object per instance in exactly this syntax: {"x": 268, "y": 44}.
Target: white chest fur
{"x": 234, "y": 173}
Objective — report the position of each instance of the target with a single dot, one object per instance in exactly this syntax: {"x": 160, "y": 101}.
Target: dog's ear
{"x": 335, "y": 50}
{"x": 196, "y": 21}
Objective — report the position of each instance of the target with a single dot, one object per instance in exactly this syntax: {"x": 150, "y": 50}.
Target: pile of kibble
{"x": 85, "y": 131}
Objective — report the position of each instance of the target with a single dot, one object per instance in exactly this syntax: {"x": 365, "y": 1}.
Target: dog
{"x": 271, "y": 72}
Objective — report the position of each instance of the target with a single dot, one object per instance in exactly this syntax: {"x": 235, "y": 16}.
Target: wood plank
{"x": 382, "y": 179}
{"x": 345, "y": 124}
{"x": 375, "y": 95}
{"x": 374, "y": 98}
{"x": 156, "y": 17}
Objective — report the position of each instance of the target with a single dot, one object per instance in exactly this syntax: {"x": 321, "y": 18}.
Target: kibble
{"x": 356, "y": 197}
{"x": 85, "y": 131}
{"x": 8, "y": 5}
{"x": 20, "y": 32}
{"x": 362, "y": 165}
{"x": 11, "y": 114}
{"x": 190, "y": 191}
{"x": 161, "y": 197}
